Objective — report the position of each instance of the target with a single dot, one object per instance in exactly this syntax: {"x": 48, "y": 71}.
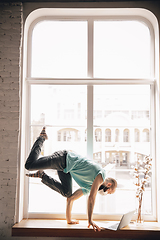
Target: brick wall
{"x": 10, "y": 38}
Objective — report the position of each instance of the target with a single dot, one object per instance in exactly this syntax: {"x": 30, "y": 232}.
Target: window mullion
{"x": 27, "y": 149}
{"x": 90, "y": 92}
{"x": 152, "y": 146}
{"x": 90, "y": 48}
{"x": 90, "y": 121}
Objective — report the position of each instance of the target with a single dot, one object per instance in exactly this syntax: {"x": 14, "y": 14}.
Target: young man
{"x": 88, "y": 175}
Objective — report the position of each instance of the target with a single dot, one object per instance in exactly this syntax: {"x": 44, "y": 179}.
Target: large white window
{"x": 90, "y": 80}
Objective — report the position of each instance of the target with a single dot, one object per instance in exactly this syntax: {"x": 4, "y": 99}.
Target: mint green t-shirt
{"x": 83, "y": 170}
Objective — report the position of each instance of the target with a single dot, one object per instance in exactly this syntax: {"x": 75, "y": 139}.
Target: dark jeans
{"x": 55, "y": 161}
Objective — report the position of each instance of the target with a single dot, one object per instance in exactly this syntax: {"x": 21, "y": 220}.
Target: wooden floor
{"x": 59, "y": 228}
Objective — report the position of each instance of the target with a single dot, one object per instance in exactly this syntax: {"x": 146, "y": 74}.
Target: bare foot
{"x": 73, "y": 222}
{"x": 38, "y": 174}
{"x": 43, "y": 133}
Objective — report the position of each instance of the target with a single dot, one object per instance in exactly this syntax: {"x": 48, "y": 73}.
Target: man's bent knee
{"x": 27, "y": 166}
{"x": 68, "y": 194}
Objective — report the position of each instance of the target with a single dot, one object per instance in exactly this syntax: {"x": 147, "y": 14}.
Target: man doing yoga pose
{"x": 88, "y": 175}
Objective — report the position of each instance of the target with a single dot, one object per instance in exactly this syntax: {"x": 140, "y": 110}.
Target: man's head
{"x": 108, "y": 186}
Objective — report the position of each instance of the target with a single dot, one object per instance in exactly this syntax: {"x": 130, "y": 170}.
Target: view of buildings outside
{"x": 121, "y": 130}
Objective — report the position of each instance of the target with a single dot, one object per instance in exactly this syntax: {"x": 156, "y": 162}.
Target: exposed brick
{"x": 10, "y": 35}
{"x": 6, "y": 26}
{"x": 9, "y": 85}
{"x": 10, "y": 80}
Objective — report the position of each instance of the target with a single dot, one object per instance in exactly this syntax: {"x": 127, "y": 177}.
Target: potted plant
{"x": 141, "y": 174}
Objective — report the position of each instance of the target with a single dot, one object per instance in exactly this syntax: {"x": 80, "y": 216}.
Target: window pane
{"x": 59, "y": 49}
{"x": 65, "y": 122}
{"x": 121, "y": 49}
{"x": 118, "y": 149}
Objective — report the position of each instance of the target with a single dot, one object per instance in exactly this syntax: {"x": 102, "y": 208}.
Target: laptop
{"x": 125, "y": 220}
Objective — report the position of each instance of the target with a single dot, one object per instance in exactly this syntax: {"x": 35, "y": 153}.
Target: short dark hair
{"x": 112, "y": 181}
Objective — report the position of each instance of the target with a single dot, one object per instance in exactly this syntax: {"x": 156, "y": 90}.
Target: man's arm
{"x": 77, "y": 194}
{"x": 91, "y": 201}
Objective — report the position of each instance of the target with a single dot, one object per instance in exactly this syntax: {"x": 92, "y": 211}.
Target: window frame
{"x": 80, "y": 14}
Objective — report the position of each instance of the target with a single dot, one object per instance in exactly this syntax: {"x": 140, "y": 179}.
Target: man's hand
{"x": 73, "y": 222}
{"x": 95, "y": 227}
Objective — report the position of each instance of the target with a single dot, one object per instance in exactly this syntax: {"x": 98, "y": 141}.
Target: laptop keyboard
{"x": 114, "y": 226}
